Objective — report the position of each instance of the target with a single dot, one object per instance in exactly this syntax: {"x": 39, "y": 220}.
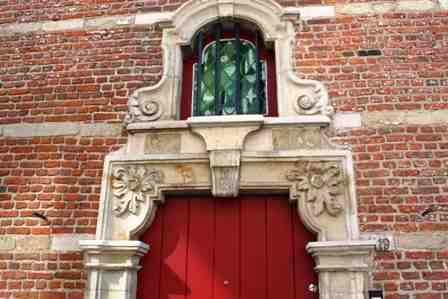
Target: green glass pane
{"x": 228, "y": 79}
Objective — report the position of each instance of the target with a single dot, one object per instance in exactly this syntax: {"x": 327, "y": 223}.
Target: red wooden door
{"x": 245, "y": 248}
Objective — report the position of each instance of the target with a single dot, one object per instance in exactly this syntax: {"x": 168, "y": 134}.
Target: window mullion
{"x": 238, "y": 70}
{"x": 258, "y": 84}
{"x": 218, "y": 101}
{"x": 199, "y": 73}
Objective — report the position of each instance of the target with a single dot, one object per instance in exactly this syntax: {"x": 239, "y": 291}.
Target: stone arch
{"x": 193, "y": 15}
{"x": 288, "y": 154}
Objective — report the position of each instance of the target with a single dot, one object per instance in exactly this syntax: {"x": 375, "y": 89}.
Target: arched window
{"x": 228, "y": 70}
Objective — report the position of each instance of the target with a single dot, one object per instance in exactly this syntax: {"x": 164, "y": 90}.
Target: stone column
{"x": 343, "y": 268}
{"x": 112, "y": 268}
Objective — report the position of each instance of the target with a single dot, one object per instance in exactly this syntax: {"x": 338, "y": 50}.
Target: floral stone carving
{"x": 321, "y": 184}
{"x": 132, "y": 185}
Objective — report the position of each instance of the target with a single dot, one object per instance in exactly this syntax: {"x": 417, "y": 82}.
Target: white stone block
{"x": 75, "y": 24}
{"x": 347, "y": 120}
{"x": 355, "y": 9}
{"x": 152, "y": 18}
{"x": 7, "y": 243}
{"x": 314, "y": 12}
{"x": 92, "y": 130}
{"x": 20, "y": 28}
{"x": 412, "y": 5}
{"x": 444, "y": 4}
{"x": 68, "y": 242}
{"x": 109, "y": 22}
{"x": 41, "y": 130}
{"x": 32, "y": 243}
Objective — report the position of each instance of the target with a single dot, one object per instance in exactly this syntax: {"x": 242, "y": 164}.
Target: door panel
{"x": 226, "y": 249}
{"x": 173, "y": 272}
{"x": 280, "y": 253}
{"x": 201, "y": 249}
{"x": 253, "y": 249}
{"x": 244, "y": 248}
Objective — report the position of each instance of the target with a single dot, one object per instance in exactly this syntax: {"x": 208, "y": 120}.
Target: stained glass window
{"x": 220, "y": 90}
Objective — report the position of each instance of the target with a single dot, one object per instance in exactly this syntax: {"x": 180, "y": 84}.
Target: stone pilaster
{"x": 112, "y": 268}
{"x": 343, "y": 268}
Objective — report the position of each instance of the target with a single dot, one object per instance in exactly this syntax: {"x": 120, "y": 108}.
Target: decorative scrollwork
{"x": 151, "y": 108}
{"x": 321, "y": 183}
{"x": 306, "y": 102}
{"x": 133, "y": 184}
{"x": 313, "y": 102}
{"x": 144, "y": 110}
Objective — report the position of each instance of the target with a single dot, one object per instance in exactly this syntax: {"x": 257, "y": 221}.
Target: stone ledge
{"x": 412, "y": 241}
{"x": 68, "y": 242}
{"x": 397, "y": 118}
{"x": 60, "y": 129}
{"x": 41, "y": 130}
{"x": 42, "y": 243}
{"x": 402, "y": 6}
{"x": 341, "y": 121}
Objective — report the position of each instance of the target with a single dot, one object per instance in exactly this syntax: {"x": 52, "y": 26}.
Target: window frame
{"x": 266, "y": 55}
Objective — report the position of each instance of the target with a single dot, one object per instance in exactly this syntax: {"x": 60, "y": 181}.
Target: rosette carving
{"x": 321, "y": 184}
{"x": 132, "y": 185}
{"x": 151, "y": 108}
{"x": 143, "y": 110}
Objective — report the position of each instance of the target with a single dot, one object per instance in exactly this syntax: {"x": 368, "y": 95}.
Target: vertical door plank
{"x": 303, "y": 262}
{"x": 279, "y": 248}
{"x": 226, "y": 273}
{"x": 253, "y": 249}
{"x": 242, "y": 248}
{"x": 200, "y": 249}
{"x": 149, "y": 275}
{"x": 174, "y": 250}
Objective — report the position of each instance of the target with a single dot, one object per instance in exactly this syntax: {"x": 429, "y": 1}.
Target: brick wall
{"x": 32, "y": 11}
{"x": 63, "y": 96}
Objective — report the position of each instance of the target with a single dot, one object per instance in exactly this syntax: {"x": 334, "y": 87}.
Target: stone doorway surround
{"x": 227, "y": 156}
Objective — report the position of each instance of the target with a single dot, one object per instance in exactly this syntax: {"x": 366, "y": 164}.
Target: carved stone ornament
{"x": 315, "y": 102}
{"x": 146, "y": 110}
{"x": 132, "y": 185}
{"x": 225, "y": 168}
{"x": 321, "y": 184}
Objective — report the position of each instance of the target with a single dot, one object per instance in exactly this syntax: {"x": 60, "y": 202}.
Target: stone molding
{"x": 61, "y": 129}
{"x": 341, "y": 121}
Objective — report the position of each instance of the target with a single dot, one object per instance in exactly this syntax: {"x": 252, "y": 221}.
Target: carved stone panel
{"x": 296, "y": 138}
{"x": 225, "y": 168}
{"x": 133, "y": 184}
{"x": 320, "y": 184}
{"x": 162, "y": 143}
